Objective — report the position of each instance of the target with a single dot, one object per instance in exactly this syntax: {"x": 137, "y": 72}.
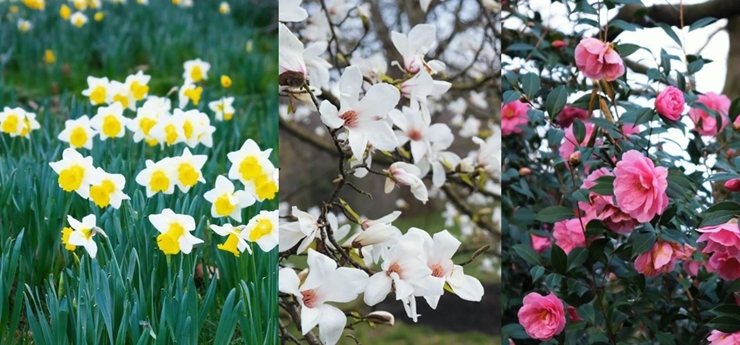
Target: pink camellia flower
{"x": 709, "y": 125}
{"x": 733, "y": 185}
{"x": 630, "y": 129}
{"x": 573, "y": 314}
{"x": 670, "y": 103}
{"x": 691, "y": 267}
{"x": 640, "y": 187}
{"x": 661, "y": 258}
{"x": 542, "y": 317}
{"x": 557, "y": 44}
{"x": 569, "y": 143}
{"x": 719, "y": 338}
{"x": 570, "y": 234}
{"x": 513, "y": 115}
{"x": 540, "y": 244}
{"x": 569, "y": 114}
{"x": 723, "y": 246}
{"x": 602, "y": 207}
{"x": 598, "y": 60}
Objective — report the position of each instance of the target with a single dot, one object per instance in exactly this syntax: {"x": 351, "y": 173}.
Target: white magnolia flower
{"x": 324, "y": 283}
{"x": 291, "y": 11}
{"x": 372, "y": 67}
{"x": 318, "y": 67}
{"x": 292, "y": 67}
{"x": 421, "y": 86}
{"x": 489, "y": 153}
{"x": 362, "y": 118}
{"x": 405, "y": 174}
{"x": 377, "y": 231}
{"x": 305, "y": 228}
{"x": 414, "y": 128}
{"x": 414, "y": 46}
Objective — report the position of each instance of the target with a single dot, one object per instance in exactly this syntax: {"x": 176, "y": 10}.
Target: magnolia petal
{"x": 331, "y": 324}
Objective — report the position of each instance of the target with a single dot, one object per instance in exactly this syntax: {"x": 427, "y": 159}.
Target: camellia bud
{"x": 730, "y": 153}
{"x": 733, "y": 185}
{"x": 381, "y": 317}
{"x": 524, "y": 171}
{"x": 574, "y": 159}
{"x": 558, "y": 44}
{"x": 736, "y": 126}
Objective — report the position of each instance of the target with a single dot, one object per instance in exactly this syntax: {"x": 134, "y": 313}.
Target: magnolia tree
{"x": 393, "y": 86}
{"x": 620, "y": 219}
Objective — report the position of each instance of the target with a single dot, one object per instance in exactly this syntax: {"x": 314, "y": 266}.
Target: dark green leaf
{"x": 577, "y": 257}
{"x": 588, "y": 313}
{"x": 725, "y": 323}
{"x": 556, "y": 100}
{"x": 701, "y": 23}
{"x": 626, "y": 49}
{"x": 641, "y": 242}
{"x": 579, "y": 130}
{"x": 559, "y": 259}
{"x": 695, "y": 66}
{"x": 554, "y": 214}
{"x": 530, "y": 84}
{"x": 536, "y": 272}
{"x": 669, "y": 31}
{"x": 511, "y": 96}
{"x": 528, "y": 254}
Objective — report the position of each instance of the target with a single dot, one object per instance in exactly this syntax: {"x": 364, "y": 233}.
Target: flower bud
{"x": 575, "y": 159}
{"x": 730, "y": 153}
{"x": 733, "y": 185}
{"x": 381, "y": 317}
{"x": 558, "y": 44}
{"x": 524, "y": 171}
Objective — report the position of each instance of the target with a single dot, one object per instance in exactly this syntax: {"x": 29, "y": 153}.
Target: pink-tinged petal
{"x": 379, "y": 134}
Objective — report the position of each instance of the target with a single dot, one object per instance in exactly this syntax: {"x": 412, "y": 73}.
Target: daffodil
{"x": 17, "y": 122}
{"x": 107, "y": 189}
{"x": 74, "y": 172}
{"x": 224, "y": 8}
{"x": 121, "y": 93}
{"x": 49, "y": 57}
{"x": 35, "y": 4}
{"x": 195, "y": 71}
{"x": 99, "y": 16}
{"x": 97, "y": 90}
{"x": 234, "y": 244}
{"x": 174, "y": 232}
{"x": 146, "y": 118}
{"x": 194, "y": 126}
{"x": 249, "y": 163}
{"x": 109, "y": 122}
{"x": 227, "y": 202}
{"x": 80, "y": 5}
{"x": 189, "y": 92}
{"x": 263, "y": 229}
{"x": 138, "y": 85}
{"x": 65, "y": 12}
{"x": 78, "y": 133}
{"x": 225, "y": 81}
{"x": 158, "y": 177}
{"x": 264, "y": 186}
{"x": 169, "y": 129}
{"x": 29, "y": 124}
{"x": 83, "y": 234}
{"x": 65, "y": 239}
{"x": 78, "y": 19}
{"x": 188, "y": 169}
{"x": 24, "y": 25}
{"x": 94, "y": 4}
{"x": 223, "y": 108}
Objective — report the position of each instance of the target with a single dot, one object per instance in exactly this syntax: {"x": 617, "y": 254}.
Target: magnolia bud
{"x": 574, "y": 159}
{"x": 381, "y": 317}
{"x": 524, "y": 171}
{"x": 733, "y": 185}
{"x": 291, "y": 79}
{"x": 558, "y": 44}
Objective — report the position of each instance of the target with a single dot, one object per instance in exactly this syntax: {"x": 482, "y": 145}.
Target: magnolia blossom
{"x": 416, "y": 130}
{"x": 305, "y": 228}
{"x": 324, "y": 283}
{"x": 414, "y": 45}
{"x": 364, "y": 118}
{"x": 291, "y": 11}
{"x": 292, "y": 67}
{"x": 405, "y": 174}
{"x": 421, "y": 86}
{"x": 377, "y": 231}
{"x": 317, "y": 67}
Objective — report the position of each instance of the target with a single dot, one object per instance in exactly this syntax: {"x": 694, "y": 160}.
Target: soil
{"x": 454, "y": 314}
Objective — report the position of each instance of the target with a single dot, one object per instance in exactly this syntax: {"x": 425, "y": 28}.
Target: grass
{"x": 131, "y": 292}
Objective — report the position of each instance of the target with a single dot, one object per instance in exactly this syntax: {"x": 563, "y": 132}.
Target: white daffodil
{"x": 305, "y": 228}
{"x": 74, "y": 172}
{"x": 187, "y": 168}
{"x": 263, "y": 229}
{"x": 174, "y": 232}
{"x": 17, "y": 122}
{"x": 78, "y": 19}
{"x": 291, "y": 11}
{"x": 158, "y": 177}
{"x": 405, "y": 174}
{"x": 224, "y": 8}
{"x": 291, "y": 66}
{"x": 235, "y": 243}
{"x": 78, "y": 133}
{"x": 83, "y": 233}
{"x": 196, "y": 127}
{"x": 97, "y": 90}
{"x": 223, "y": 108}
{"x": 264, "y": 186}
{"x": 249, "y": 163}
{"x": 364, "y": 118}
{"x": 120, "y": 92}
{"x": 138, "y": 87}
{"x": 195, "y": 71}
{"x": 226, "y": 202}
{"x": 324, "y": 283}
{"x": 414, "y": 46}
{"x": 146, "y": 118}
{"x": 169, "y": 129}
{"x": 189, "y": 92}
{"x": 109, "y": 122}
{"x": 24, "y": 25}
{"x": 107, "y": 189}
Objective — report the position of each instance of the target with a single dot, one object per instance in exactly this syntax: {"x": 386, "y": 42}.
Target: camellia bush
{"x": 378, "y": 89}
{"x": 620, "y": 209}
